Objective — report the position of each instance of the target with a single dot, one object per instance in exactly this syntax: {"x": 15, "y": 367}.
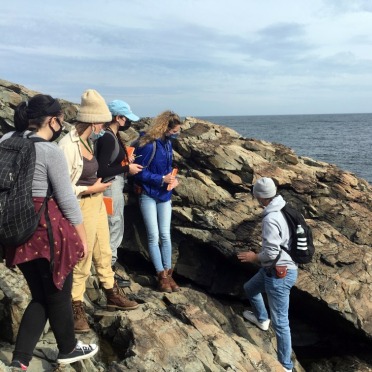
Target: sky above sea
{"x": 198, "y": 58}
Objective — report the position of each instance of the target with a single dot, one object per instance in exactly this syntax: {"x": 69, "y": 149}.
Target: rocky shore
{"x": 201, "y": 328}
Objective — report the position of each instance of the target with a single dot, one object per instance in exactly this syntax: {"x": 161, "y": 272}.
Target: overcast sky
{"x": 196, "y": 57}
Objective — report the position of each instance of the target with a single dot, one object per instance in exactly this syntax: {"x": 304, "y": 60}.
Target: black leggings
{"x": 47, "y": 302}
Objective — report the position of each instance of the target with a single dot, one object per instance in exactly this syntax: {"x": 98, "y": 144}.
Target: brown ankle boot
{"x": 175, "y": 287}
{"x": 80, "y": 318}
{"x": 117, "y": 301}
{"x": 164, "y": 285}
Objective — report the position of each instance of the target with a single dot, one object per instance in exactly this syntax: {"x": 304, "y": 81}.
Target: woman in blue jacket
{"x": 156, "y": 183}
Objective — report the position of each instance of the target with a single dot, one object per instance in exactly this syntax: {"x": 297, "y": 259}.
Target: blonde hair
{"x": 161, "y": 124}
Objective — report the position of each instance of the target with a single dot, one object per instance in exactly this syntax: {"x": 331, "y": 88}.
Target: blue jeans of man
{"x": 116, "y": 220}
{"x": 157, "y": 217}
{"x": 277, "y": 291}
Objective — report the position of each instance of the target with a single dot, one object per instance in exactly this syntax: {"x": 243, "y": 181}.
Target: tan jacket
{"x": 71, "y": 148}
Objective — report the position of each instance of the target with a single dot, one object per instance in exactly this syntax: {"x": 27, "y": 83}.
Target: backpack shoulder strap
{"x": 152, "y": 154}
{"x": 276, "y": 259}
{"x": 115, "y": 153}
{"x": 28, "y": 136}
{"x": 286, "y": 214}
{"x": 37, "y": 139}
{"x": 135, "y": 144}
{"x": 290, "y": 214}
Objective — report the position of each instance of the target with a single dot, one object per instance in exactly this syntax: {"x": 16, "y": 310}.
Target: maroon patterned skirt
{"x": 68, "y": 247}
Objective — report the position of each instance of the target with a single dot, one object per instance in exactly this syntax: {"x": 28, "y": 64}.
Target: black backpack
{"x": 302, "y": 246}
{"x": 18, "y": 218}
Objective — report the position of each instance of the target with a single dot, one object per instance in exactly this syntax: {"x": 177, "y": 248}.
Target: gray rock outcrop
{"x": 214, "y": 216}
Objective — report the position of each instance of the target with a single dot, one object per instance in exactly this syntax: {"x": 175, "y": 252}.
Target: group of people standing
{"x": 89, "y": 162}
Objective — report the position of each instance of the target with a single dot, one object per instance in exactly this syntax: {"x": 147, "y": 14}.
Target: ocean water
{"x": 341, "y": 139}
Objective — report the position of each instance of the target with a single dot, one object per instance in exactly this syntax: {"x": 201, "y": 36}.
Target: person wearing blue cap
{"x": 114, "y": 162}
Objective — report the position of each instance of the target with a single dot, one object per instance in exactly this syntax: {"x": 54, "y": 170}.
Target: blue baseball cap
{"x": 118, "y": 107}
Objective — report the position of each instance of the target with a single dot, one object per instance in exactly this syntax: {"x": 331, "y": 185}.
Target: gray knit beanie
{"x": 264, "y": 188}
{"x": 93, "y": 108}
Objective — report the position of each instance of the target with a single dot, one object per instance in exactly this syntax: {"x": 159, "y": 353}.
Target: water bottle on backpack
{"x": 301, "y": 239}
{"x": 302, "y": 247}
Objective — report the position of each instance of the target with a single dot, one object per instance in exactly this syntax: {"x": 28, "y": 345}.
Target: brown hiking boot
{"x": 80, "y": 318}
{"x": 175, "y": 287}
{"x": 164, "y": 285}
{"x": 117, "y": 301}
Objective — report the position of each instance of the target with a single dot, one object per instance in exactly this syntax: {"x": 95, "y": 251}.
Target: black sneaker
{"x": 18, "y": 366}
{"x": 121, "y": 282}
{"x": 81, "y": 351}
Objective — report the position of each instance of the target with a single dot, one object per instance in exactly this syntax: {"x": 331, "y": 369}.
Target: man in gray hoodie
{"x": 275, "y": 283}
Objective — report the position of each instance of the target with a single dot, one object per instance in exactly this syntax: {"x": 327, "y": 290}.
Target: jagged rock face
{"x": 184, "y": 331}
{"x": 12, "y": 94}
{"x": 213, "y": 208}
{"x": 214, "y": 216}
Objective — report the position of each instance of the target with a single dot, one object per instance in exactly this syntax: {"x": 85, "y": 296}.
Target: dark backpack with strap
{"x": 302, "y": 246}
{"x": 18, "y": 217}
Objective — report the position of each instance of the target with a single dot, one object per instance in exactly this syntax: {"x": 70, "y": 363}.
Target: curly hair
{"x": 161, "y": 124}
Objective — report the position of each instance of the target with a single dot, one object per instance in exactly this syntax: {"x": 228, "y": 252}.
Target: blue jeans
{"x": 157, "y": 217}
{"x": 116, "y": 221}
{"x": 277, "y": 291}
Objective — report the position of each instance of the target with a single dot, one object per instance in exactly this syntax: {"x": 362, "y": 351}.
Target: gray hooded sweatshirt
{"x": 275, "y": 233}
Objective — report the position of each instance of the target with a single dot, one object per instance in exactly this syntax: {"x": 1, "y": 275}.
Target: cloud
{"x": 346, "y": 6}
{"x": 209, "y": 57}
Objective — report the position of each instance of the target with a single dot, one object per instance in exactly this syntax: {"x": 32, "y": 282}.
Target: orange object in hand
{"x": 174, "y": 173}
{"x": 130, "y": 152}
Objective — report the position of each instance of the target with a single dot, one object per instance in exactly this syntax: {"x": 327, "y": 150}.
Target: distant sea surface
{"x": 341, "y": 139}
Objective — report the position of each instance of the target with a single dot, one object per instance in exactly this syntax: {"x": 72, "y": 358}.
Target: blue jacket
{"x": 151, "y": 177}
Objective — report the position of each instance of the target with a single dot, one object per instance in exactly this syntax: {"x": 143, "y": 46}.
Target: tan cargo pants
{"x": 99, "y": 250}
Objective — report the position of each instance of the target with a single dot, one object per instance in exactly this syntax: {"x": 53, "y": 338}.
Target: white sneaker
{"x": 287, "y": 370}
{"x": 252, "y": 318}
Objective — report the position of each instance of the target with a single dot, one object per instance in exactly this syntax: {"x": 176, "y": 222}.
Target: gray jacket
{"x": 275, "y": 233}
{"x": 51, "y": 168}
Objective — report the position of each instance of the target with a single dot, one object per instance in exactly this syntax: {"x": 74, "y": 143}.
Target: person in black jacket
{"x": 114, "y": 162}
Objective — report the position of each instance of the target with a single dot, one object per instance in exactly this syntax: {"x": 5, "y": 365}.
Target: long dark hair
{"x": 32, "y": 114}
